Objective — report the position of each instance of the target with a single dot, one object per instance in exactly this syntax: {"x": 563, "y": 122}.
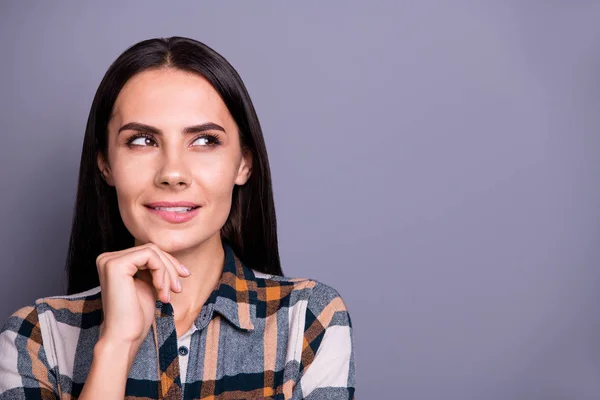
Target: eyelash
{"x": 215, "y": 139}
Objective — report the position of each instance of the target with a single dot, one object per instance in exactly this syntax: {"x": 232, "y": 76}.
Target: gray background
{"x": 437, "y": 164}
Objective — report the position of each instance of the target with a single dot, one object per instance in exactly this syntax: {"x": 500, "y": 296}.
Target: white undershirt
{"x": 185, "y": 340}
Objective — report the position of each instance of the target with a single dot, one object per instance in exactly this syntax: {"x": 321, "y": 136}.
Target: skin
{"x": 176, "y": 166}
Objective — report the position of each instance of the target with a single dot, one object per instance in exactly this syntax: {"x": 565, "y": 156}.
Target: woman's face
{"x": 171, "y": 139}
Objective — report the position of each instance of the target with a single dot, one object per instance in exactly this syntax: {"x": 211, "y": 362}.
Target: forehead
{"x": 167, "y": 95}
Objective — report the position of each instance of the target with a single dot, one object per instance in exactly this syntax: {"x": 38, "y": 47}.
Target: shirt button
{"x": 183, "y": 351}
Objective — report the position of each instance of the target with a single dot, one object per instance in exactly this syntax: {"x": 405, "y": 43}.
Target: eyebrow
{"x": 136, "y": 126}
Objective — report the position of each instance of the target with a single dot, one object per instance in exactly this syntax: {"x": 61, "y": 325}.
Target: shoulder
{"x": 74, "y": 310}
{"x": 316, "y": 300}
{"x": 312, "y": 288}
{"x": 23, "y": 358}
{"x": 56, "y": 313}
{"x": 41, "y": 339}
{"x": 24, "y": 317}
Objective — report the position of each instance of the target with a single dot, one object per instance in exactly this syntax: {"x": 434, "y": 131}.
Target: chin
{"x": 174, "y": 242}
{"x": 168, "y": 242}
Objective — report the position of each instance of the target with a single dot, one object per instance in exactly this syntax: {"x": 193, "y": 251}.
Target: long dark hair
{"x": 251, "y": 227}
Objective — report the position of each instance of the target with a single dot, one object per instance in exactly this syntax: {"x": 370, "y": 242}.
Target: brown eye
{"x": 208, "y": 140}
{"x": 142, "y": 139}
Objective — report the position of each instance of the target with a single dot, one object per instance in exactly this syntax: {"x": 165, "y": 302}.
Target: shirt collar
{"x": 235, "y": 295}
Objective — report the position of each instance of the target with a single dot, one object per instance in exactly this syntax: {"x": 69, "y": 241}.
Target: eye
{"x": 208, "y": 140}
{"x": 143, "y": 139}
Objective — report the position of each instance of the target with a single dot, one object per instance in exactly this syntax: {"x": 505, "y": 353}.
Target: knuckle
{"x": 152, "y": 252}
{"x": 111, "y": 264}
{"x": 101, "y": 257}
{"x": 153, "y": 247}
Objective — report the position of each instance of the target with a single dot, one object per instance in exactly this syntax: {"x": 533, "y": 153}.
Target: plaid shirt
{"x": 258, "y": 336}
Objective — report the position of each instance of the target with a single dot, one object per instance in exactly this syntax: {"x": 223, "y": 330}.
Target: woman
{"x": 175, "y": 286}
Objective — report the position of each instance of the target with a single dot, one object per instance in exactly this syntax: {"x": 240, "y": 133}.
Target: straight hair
{"x": 251, "y": 227}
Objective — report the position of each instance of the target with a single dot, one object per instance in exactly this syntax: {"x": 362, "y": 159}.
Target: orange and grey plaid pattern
{"x": 257, "y": 337}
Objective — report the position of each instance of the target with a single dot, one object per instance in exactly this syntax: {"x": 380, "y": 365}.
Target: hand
{"x": 131, "y": 281}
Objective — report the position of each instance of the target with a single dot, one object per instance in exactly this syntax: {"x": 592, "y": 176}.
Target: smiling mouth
{"x": 174, "y": 209}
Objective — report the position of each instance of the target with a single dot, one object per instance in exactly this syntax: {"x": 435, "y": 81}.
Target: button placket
{"x": 166, "y": 338}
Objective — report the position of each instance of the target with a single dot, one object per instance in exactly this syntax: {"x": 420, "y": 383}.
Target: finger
{"x": 116, "y": 254}
{"x": 174, "y": 284}
{"x": 157, "y": 278}
{"x": 166, "y": 274}
{"x": 179, "y": 270}
{"x": 164, "y": 294}
{"x": 159, "y": 265}
{"x": 178, "y": 266}
{"x": 144, "y": 258}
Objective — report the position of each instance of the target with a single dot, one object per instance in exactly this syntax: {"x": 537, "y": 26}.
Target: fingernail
{"x": 178, "y": 285}
{"x": 168, "y": 297}
{"x": 187, "y": 271}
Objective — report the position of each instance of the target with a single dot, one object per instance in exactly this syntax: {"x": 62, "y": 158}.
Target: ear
{"x": 105, "y": 169}
{"x": 245, "y": 169}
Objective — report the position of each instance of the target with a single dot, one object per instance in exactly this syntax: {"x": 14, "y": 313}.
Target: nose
{"x": 173, "y": 172}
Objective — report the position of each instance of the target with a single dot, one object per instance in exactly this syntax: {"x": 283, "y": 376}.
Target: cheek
{"x": 130, "y": 181}
{"x": 216, "y": 187}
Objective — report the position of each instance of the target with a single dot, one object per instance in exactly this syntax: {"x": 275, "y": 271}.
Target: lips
{"x": 174, "y": 213}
